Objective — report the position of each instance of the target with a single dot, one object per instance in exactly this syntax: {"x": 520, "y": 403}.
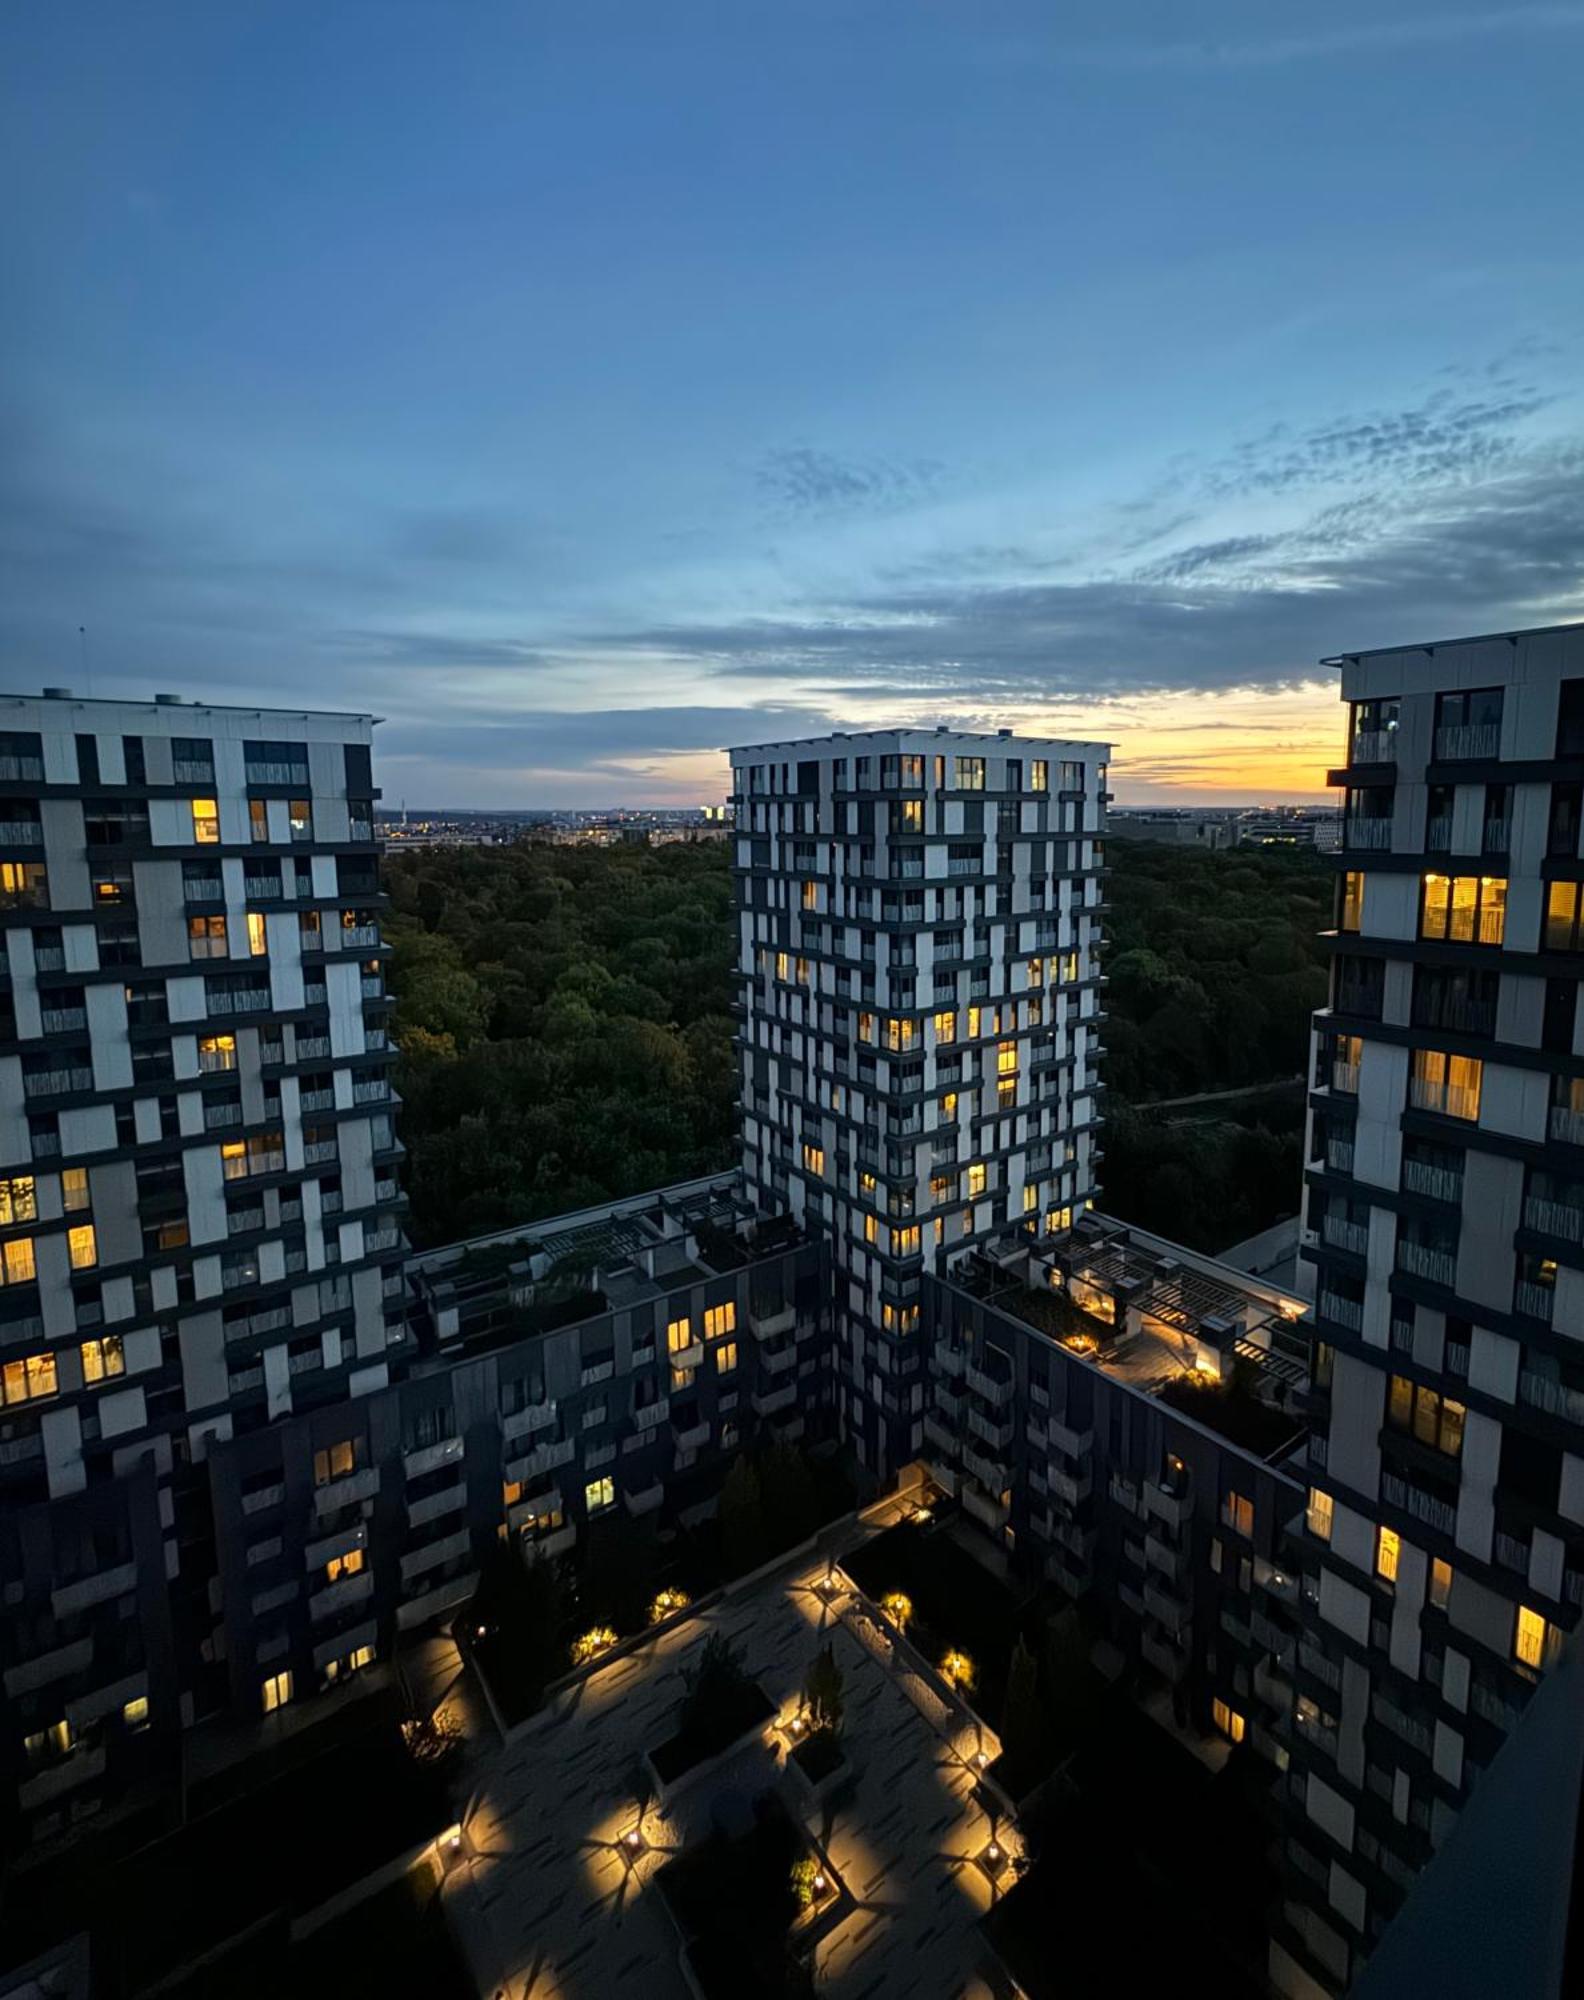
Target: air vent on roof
{"x": 1003, "y": 732}
{"x": 57, "y": 694}
{"x": 170, "y": 700}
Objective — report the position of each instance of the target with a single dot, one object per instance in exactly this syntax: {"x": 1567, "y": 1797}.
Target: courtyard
{"x": 553, "y": 1894}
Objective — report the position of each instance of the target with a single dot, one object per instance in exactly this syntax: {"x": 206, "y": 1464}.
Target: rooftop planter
{"x": 723, "y": 1712}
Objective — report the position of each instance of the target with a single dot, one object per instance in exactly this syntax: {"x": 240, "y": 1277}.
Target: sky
{"x": 584, "y": 385}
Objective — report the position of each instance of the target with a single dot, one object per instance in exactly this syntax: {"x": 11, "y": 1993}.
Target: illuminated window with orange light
{"x": 725, "y": 1357}
{"x": 1006, "y": 1058}
{"x": 813, "y": 1159}
{"x": 1318, "y": 1515}
{"x": 258, "y": 941}
{"x": 719, "y": 1320}
{"x": 871, "y": 1229}
{"x": 16, "y": 1261}
{"x": 679, "y": 1335}
{"x": 1228, "y": 1721}
{"x": 1464, "y": 909}
{"x": 1531, "y": 1637}
{"x": 905, "y": 1242}
{"x": 946, "y": 1025}
{"x": 948, "y": 1108}
{"x": 1388, "y": 1551}
{"x": 811, "y": 895}
{"x": 1352, "y": 901}
{"x": 350, "y": 1564}
{"x": 206, "y": 822}
{"x": 18, "y": 1200}
{"x": 82, "y": 1246}
{"x": 1440, "y": 1583}
{"x": 973, "y": 1024}
{"x": 977, "y": 1174}
{"x": 1237, "y": 1511}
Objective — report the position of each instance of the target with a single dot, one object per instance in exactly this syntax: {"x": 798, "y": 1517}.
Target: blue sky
{"x": 584, "y": 386}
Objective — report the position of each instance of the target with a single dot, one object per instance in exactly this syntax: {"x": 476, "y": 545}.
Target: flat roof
{"x": 66, "y": 698}
{"x": 1464, "y": 639}
{"x": 925, "y": 733}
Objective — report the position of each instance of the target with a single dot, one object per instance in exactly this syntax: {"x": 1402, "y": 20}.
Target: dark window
{"x": 87, "y": 760}
{"x": 1570, "y": 719}
{"x": 359, "y": 770}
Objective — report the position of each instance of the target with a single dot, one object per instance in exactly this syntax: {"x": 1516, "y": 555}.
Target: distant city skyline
{"x": 583, "y": 390}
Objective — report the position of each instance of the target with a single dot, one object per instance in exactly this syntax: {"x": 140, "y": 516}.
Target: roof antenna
{"x": 82, "y": 646}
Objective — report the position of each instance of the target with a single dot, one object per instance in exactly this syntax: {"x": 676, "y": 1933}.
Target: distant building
{"x": 1170, "y": 828}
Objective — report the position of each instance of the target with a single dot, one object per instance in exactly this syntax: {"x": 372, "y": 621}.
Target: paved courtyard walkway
{"x": 550, "y": 1903}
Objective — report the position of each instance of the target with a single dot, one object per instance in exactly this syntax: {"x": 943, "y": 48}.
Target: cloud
{"x": 1365, "y": 38}
{"x": 803, "y": 482}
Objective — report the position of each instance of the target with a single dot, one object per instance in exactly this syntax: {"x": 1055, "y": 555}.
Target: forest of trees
{"x": 565, "y": 1034}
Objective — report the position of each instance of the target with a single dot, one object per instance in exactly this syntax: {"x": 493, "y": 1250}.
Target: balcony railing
{"x": 1420, "y": 1260}
{"x": 1462, "y": 741}
{"x": 1440, "y": 1183}
{"x": 21, "y": 833}
{"x": 64, "y": 1020}
{"x": 56, "y": 1082}
{"x": 1438, "y": 834}
{"x": 1438, "y": 1514}
{"x": 276, "y": 774}
{"x": 1345, "y": 1078}
{"x": 1535, "y": 1301}
{"x": 1554, "y": 1218}
{"x": 1374, "y": 746}
{"x": 1346, "y": 1312}
{"x": 1541, "y": 1393}
{"x": 1373, "y": 834}
{"x": 1342, "y": 1234}
{"x": 1339, "y": 1155}
{"x": 1496, "y": 836}
{"x": 1566, "y": 1125}
{"x": 1450, "y": 1100}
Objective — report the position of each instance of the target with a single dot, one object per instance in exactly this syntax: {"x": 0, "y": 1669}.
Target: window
{"x": 1039, "y": 775}
{"x": 948, "y": 1108}
{"x": 905, "y": 1242}
{"x": 720, "y": 1319}
{"x": 335, "y": 1461}
{"x": 599, "y": 1494}
{"x": 946, "y": 1026}
{"x": 811, "y": 895}
{"x": 1227, "y": 1720}
{"x": 901, "y": 1034}
{"x": 679, "y": 1335}
{"x": 813, "y": 1158}
{"x": 1388, "y": 1547}
{"x": 976, "y": 1178}
{"x": 355, "y": 1661}
{"x": 1434, "y": 1419}
{"x": 206, "y": 937}
{"x": 1440, "y": 1583}
{"x": 16, "y": 1261}
{"x": 1531, "y": 1638}
{"x": 258, "y": 942}
{"x": 258, "y": 820}
{"x": 206, "y": 822}
{"x": 103, "y": 1360}
{"x": 1057, "y": 1219}
{"x": 277, "y": 1690}
{"x": 300, "y": 816}
{"x": 264, "y": 1153}
{"x": 82, "y": 1246}
{"x": 970, "y": 774}
{"x": 1464, "y": 909}
{"x": 135, "y": 1713}
{"x": 1317, "y": 1516}
{"x": 973, "y": 1024}
{"x": 1238, "y": 1513}
{"x": 1564, "y": 905}
{"x": 350, "y": 1564}
{"x": 899, "y": 1319}
{"x": 1030, "y": 1197}
{"x": 1006, "y": 1058}
{"x": 726, "y": 1357}
{"x": 216, "y": 1052}
{"x": 1351, "y": 915}
{"x": 1448, "y": 1084}
{"x": 1468, "y": 724}
{"x": 26, "y": 1379}
{"x": 17, "y": 1200}
{"x": 23, "y": 885}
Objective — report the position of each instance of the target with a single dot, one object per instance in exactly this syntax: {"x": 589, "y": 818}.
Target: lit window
{"x": 871, "y": 1229}
{"x": 103, "y": 1359}
{"x": 82, "y": 1246}
{"x": 1319, "y": 1513}
{"x": 811, "y": 895}
{"x": 18, "y": 1201}
{"x": 899, "y": 1319}
{"x": 1465, "y": 909}
{"x": 1237, "y": 1511}
{"x": 726, "y": 1357}
{"x": 1440, "y": 1583}
{"x": 1057, "y": 1219}
{"x": 74, "y": 1189}
{"x": 351, "y": 1564}
{"x": 1039, "y": 775}
{"x": 905, "y": 1242}
{"x": 682, "y": 1378}
{"x": 976, "y": 1178}
{"x": 299, "y": 815}
{"x": 599, "y": 1494}
{"x": 679, "y": 1335}
{"x": 1445, "y": 1083}
{"x": 1530, "y": 1638}
{"x": 1030, "y": 1197}
{"x": 973, "y": 1024}
{"x": 135, "y": 1713}
{"x": 813, "y": 1159}
{"x": 720, "y": 1319}
{"x": 948, "y": 1105}
{"x": 205, "y": 822}
{"x": 258, "y": 942}
{"x": 901, "y": 1034}
{"x": 866, "y": 1027}
{"x": 16, "y": 1261}
{"x": 946, "y": 1026}
{"x": 206, "y": 937}
{"x": 277, "y": 1691}
{"x": 1388, "y": 1548}
{"x": 258, "y": 819}
{"x": 1036, "y": 972}
{"x": 26, "y": 1379}
{"x": 1068, "y": 968}
{"x": 970, "y": 774}
{"x": 335, "y": 1461}
{"x": 1006, "y": 1058}
{"x": 1006, "y": 1092}
{"x": 217, "y": 1052}
{"x": 867, "y": 1183}
{"x": 1352, "y": 911}
{"x": 1227, "y": 1720}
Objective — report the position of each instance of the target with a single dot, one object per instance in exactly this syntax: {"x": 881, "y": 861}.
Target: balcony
{"x": 351, "y": 1491}
{"x": 985, "y": 1509}
{"x": 990, "y": 1472}
{"x": 769, "y": 1324}
{"x": 997, "y": 1435}
{"x": 640, "y": 1500}
{"x": 1345, "y": 1078}
{"x": 543, "y": 1458}
{"x": 21, "y": 833}
{"x": 1072, "y": 1488}
{"x": 1440, "y": 1183}
{"x": 940, "y": 1434}
{"x": 67, "y": 1599}
{"x": 1339, "y": 1156}
{"x": 1554, "y": 1218}
{"x": 770, "y": 1402}
{"x": 1164, "y": 1606}
{"x": 994, "y": 1389}
{"x": 1169, "y": 1661}
{"x": 1073, "y": 1444}
{"x": 340, "y": 1597}
{"x": 1421, "y": 1260}
{"x": 1345, "y": 1312}
{"x": 779, "y": 1360}
{"x": 64, "y": 1020}
{"x": 1172, "y": 1508}
{"x": 431, "y": 1457}
{"x": 56, "y": 1082}
{"x": 1170, "y": 1560}
{"x": 524, "y": 1422}
{"x": 1341, "y": 1234}
{"x": 1463, "y": 742}
{"x": 1373, "y": 746}
{"x": 949, "y": 1361}
{"x": 690, "y": 1437}
{"x": 1371, "y": 835}
{"x": 1447, "y": 1100}
{"x": 690, "y": 1356}
{"x": 1567, "y": 1126}
{"x": 1534, "y": 1301}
